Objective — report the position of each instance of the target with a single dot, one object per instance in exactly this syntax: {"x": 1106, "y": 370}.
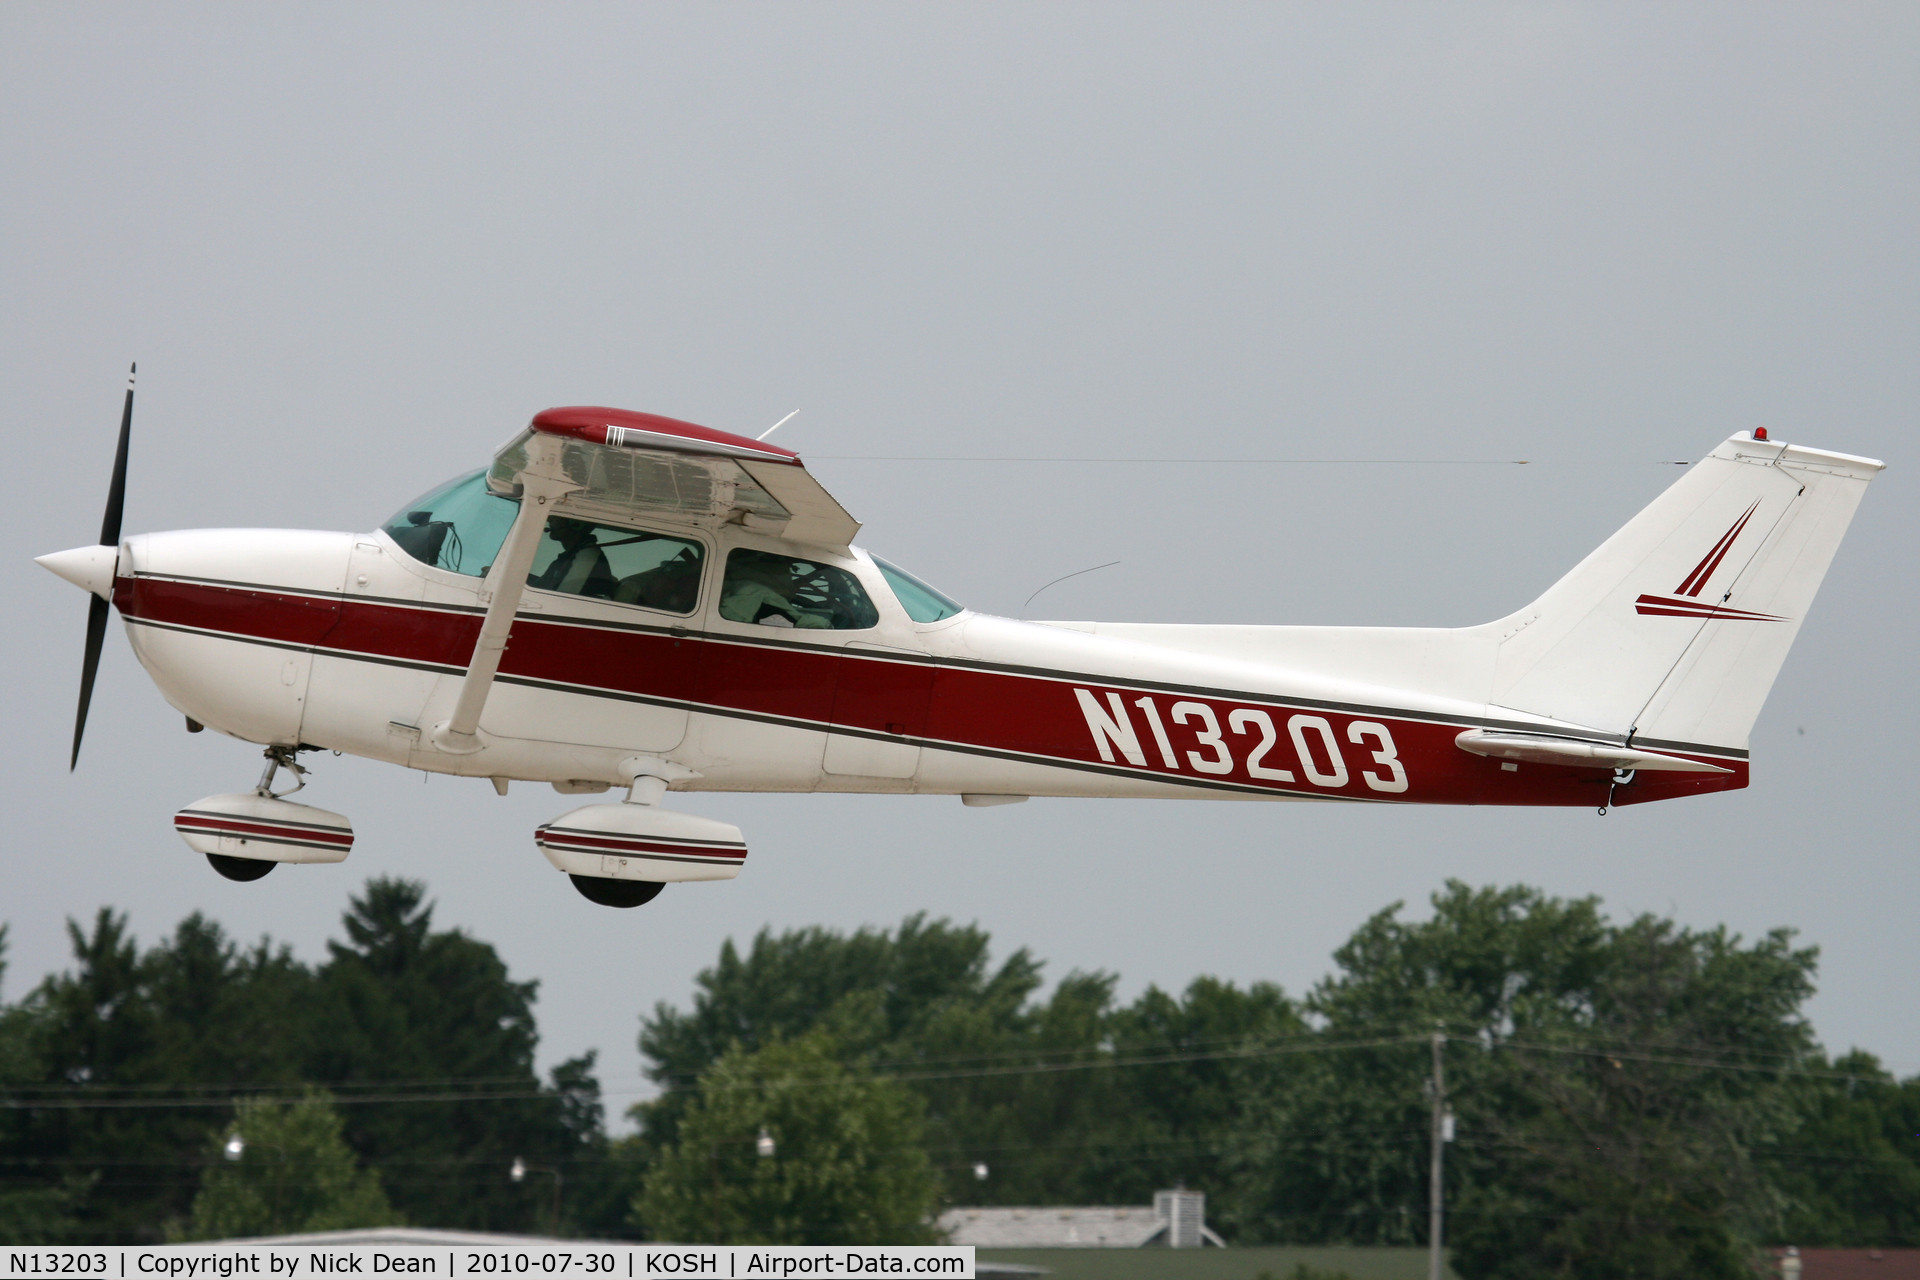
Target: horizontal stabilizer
{"x": 1541, "y": 748}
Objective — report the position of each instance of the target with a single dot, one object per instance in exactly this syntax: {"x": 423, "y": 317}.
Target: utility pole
{"x": 1436, "y": 1199}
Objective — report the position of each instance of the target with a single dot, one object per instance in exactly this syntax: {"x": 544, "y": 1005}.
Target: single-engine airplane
{"x": 626, "y": 600}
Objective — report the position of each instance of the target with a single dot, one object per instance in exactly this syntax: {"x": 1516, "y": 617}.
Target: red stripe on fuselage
{"x": 972, "y": 708}
{"x": 431, "y": 637}
{"x": 279, "y": 617}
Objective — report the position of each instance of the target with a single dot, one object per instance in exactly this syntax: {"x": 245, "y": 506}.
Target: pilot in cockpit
{"x": 581, "y": 568}
{"x": 760, "y": 588}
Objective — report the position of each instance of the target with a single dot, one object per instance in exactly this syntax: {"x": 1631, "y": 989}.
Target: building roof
{"x": 1857, "y": 1264}
{"x": 418, "y": 1236}
{"x": 1053, "y": 1226}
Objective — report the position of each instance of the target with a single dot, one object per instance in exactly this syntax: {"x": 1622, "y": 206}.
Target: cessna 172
{"x": 626, "y": 600}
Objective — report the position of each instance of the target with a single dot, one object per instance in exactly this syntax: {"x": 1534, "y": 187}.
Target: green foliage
{"x": 602, "y": 1175}
{"x": 1630, "y": 1117}
{"x": 1633, "y": 1097}
{"x": 1849, "y": 1171}
{"x": 399, "y": 1008}
{"x": 1072, "y": 1126}
{"x": 1024, "y": 1086}
{"x": 1336, "y": 1151}
{"x": 848, "y": 1167}
{"x": 195, "y": 1008}
{"x": 406, "y": 1003}
{"x": 34, "y": 1215}
{"x": 1611, "y": 1082}
{"x": 921, "y": 975}
{"x": 28, "y": 1213}
{"x": 1628, "y": 1092}
{"x": 295, "y": 1173}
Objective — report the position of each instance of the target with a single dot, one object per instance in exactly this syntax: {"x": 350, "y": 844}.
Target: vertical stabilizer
{"x": 1674, "y": 629}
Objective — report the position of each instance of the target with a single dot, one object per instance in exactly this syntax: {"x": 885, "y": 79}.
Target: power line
{"x": 1239, "y": 462}
{"x": 758, "y": 1081}
{"x": 1297, "y": 1045}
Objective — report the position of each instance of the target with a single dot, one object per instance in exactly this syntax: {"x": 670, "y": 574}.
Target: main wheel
{"x": 616, "y": 893}
{"x": 240, "y": 868}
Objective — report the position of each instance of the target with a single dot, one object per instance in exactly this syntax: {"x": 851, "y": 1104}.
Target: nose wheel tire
{"x": 240, "y": 868}
{"x": 611, "y": 893}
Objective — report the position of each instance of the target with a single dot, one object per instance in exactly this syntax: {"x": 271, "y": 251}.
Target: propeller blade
{"x": 117, "y": 487}
{"x": 89, "y": 665}
{"x": 109, "y": 537}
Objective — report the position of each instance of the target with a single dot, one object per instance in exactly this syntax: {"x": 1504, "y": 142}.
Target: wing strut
{"x": 506, "y": 582}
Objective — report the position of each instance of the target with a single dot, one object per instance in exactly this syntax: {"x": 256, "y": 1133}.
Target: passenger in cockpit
{"x": 672, "y": 585}
{"x": 581, "y": 568}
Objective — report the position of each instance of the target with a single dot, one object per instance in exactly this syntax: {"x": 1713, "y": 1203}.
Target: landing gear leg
{"x": 263, "y": 819}
{"x": 279, "y": 758}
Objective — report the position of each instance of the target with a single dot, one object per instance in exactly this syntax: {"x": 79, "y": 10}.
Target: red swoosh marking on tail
{"x": 1691, "y": 584}
{"x": 1682, "y": 607}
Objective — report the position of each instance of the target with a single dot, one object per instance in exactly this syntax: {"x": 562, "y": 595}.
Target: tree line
{"x": 122, "y": 1077}
{"x": 1630, "y": 1097}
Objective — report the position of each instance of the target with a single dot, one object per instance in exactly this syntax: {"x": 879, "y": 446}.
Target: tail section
{"x": 1671, "y": 633}
{"x": 1673, "y": 630}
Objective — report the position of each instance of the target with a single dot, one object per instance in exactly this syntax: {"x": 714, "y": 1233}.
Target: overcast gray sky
{"x": 356, "y": 246}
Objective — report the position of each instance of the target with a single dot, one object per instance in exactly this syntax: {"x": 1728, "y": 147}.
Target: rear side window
{"x": 780, "y": 591}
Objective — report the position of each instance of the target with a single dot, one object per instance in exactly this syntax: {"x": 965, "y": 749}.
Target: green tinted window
{"x": 458, "y": 527}
{"x": 922, "y": 602}
{"x": 606, "y": 562}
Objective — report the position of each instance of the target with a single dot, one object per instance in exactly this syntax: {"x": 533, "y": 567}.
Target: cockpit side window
{"x": 628, "y": 566}
{"x": 922, "y": 602}
{"x": 780, "y": 591}
{"x": 458, "y": 527}
{"x": 461, "y": 525}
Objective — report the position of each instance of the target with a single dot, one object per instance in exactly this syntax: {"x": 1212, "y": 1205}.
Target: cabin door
{"x": 880, "y": 699}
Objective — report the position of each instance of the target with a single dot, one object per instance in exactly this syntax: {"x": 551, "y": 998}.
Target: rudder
{"x": 1672, "y": 631}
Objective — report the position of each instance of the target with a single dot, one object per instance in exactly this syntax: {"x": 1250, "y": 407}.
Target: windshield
{"x": 458, "y": 527}
{"x": 922, "y": 602}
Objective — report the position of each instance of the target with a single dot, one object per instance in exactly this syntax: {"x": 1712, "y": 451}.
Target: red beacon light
{"x": 1759, "y": 433}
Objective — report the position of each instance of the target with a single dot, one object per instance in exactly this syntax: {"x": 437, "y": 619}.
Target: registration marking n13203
{"x": 1249, "y": 741}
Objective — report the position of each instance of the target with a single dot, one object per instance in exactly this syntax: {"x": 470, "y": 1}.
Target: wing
{"x": 640, "y": 465}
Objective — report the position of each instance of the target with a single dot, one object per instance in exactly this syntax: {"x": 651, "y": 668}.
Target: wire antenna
{"x": 1057, "y": 581}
